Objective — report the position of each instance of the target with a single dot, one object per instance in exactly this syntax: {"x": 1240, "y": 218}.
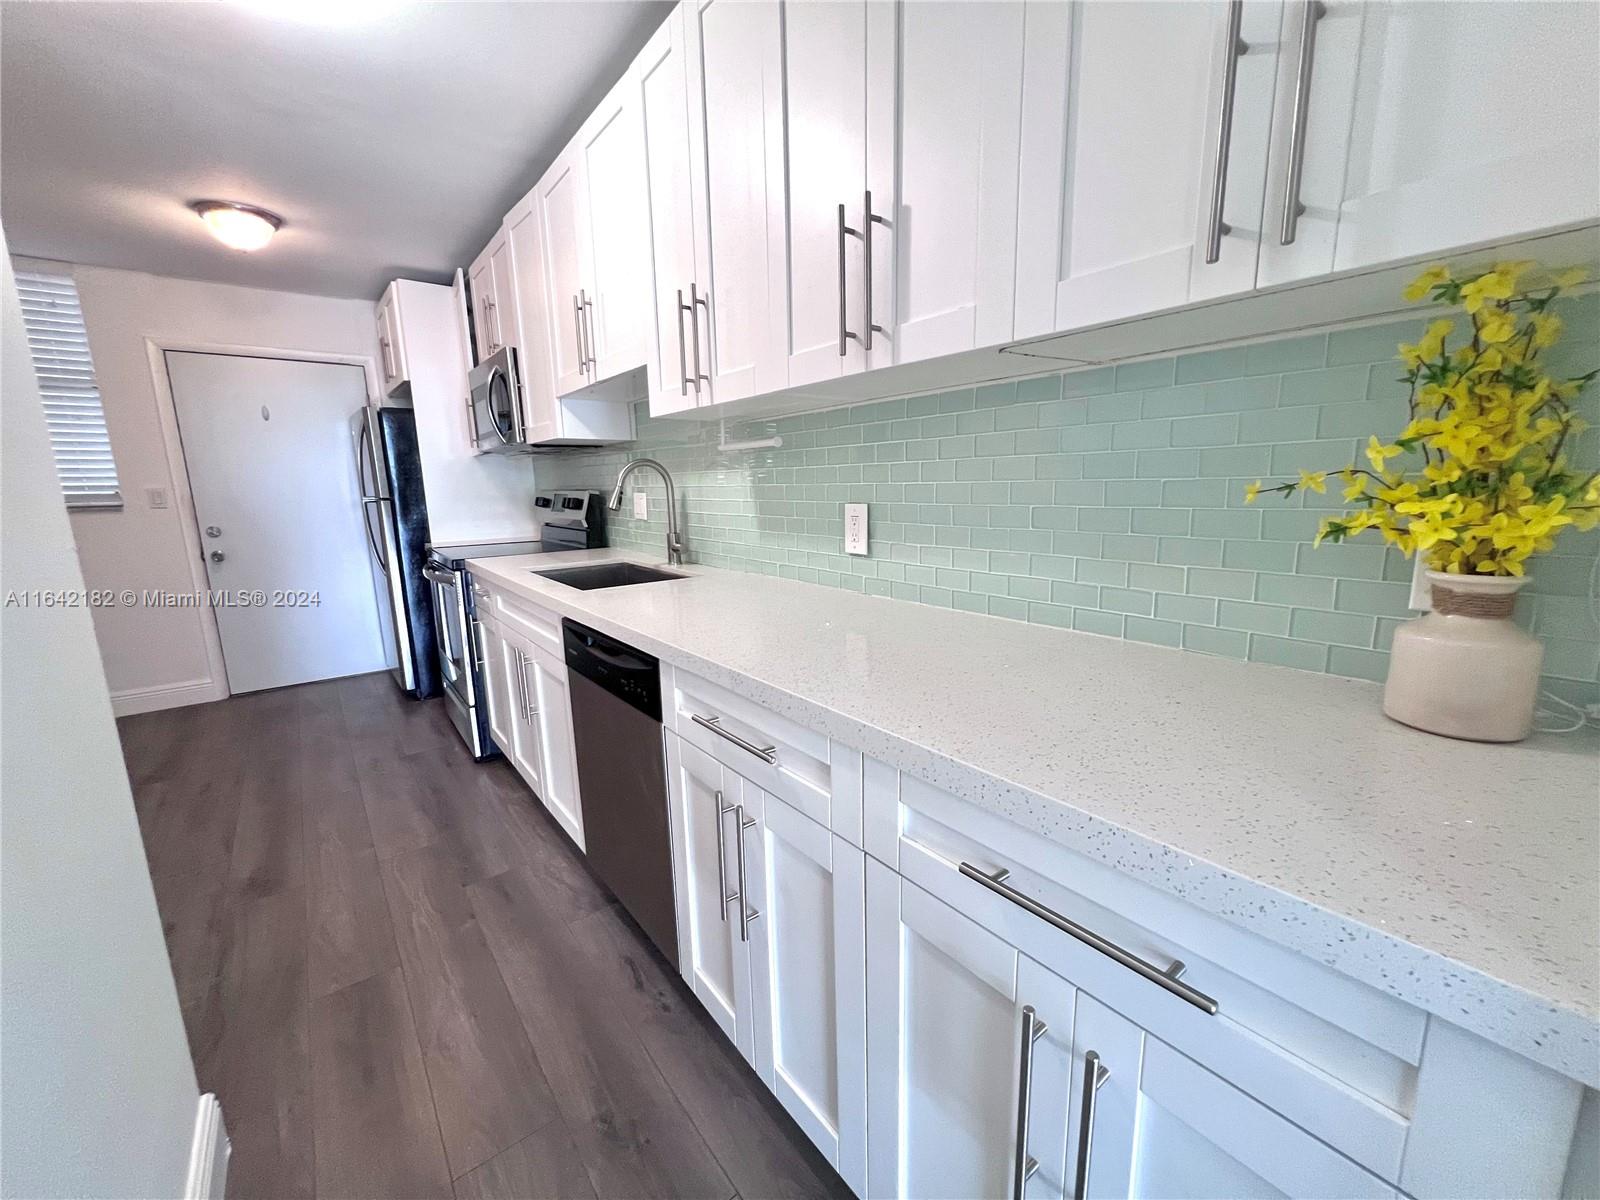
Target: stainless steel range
{"x": 572, "y": 521}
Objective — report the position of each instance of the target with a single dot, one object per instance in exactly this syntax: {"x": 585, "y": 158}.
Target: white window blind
{"x": 60, "y": 348}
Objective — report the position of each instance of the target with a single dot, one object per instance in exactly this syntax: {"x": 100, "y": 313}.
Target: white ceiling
{"x": 391, "y": 147}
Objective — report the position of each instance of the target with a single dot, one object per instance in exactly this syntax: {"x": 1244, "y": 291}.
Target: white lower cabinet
{"x": 947, "y": 1001}
{"x": 808, "y": 974}
{"x": 498, "y": 685}
{"x": 986, "y": 1068}
{"x": 1161, "y": 1125}
{"x": 530, "y": 718}
{"x": 770, "y": 929}
{"x": 523, "y": 749}
{"x": 714, "y": 961}
{"x": 551, "y": 703}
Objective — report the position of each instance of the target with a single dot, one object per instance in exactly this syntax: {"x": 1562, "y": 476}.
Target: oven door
{"x": 454, "y": 638}
{"x": 496, "y": 403}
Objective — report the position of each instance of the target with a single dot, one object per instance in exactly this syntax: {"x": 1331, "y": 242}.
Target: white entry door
{"x": 267, "y": 445}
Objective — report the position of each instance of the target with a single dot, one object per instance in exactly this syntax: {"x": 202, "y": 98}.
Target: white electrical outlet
{"x": 1421, "y": 589}
{"x": 855, "y": 528}
{"x": 641, "y": 505}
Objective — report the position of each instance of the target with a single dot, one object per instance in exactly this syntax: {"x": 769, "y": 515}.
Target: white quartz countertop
{"x": 1458, "y": 876}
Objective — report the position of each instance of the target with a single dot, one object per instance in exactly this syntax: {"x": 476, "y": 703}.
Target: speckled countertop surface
{"x": 1457, "y": 876}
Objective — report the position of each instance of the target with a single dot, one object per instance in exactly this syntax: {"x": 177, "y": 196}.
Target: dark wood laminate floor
{"x": 401, "y": 980}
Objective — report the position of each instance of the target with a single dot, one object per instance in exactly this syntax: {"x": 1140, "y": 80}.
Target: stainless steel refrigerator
{"x": 394, "y": 508}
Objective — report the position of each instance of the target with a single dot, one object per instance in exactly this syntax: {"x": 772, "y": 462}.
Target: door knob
{"x": 213, "y": 531}
{"x": 217, "y": 556}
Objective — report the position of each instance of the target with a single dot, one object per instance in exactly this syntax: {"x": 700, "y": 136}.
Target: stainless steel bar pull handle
{"x": 696, "y": 303}
{"x": 746, "y": 913}
{"x": 723, "y": 809}
{"x": 868, "y": 220}
{"x": 683, "y": 360}
{"x": 1024, "y": 1165}
{"x": 530, "y": 707}
{"x": 1233, "y": 48}
{"x": 577, "y": 331}
{"x": 767, "y": 754}
{"x": 1095, "y": 1073}
{"x": 845, "y": 333}
{"x": 1167, "y": 979}
{"x": 1315, "y": 10}
{"x": 588, "y": 312}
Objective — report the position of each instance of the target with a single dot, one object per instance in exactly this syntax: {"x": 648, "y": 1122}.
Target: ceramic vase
{"x": 1465, "y": 670}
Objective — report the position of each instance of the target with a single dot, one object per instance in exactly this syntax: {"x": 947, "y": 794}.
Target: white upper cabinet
{"x": 560, "y": 203}
{"x": 535, "y": 363}
{"x": 1144, "y": 154}
{"x": 825, "y": 95}
{"x": 736, "y": 185}
{"x": 661, "y": 77}
{"x": 945, "y": 113}
{"x": 391, "y": 343}
{"x": 593, "y": 219}
{"x": 494, "y": 313}
{"x": 613, "y": 234}
{"x": 1400, "y": 155}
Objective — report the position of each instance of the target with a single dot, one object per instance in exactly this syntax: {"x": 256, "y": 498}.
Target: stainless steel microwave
{"x": 495, "y": 397}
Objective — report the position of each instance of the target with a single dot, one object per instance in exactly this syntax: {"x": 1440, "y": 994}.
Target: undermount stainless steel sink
{"x": 607, "y": 575}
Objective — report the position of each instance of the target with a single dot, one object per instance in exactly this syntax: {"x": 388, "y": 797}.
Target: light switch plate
{"x": 855, "y": 529}
{"x": 155, "y": 497}
{"x": 641, "y": 505}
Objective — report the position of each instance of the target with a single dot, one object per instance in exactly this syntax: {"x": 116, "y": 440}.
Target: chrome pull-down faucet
{"x": 674, "y": 542}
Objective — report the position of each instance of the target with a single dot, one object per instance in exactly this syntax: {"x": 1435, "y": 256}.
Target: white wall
{"x": 157, "y": 656}
{"x": 98, "y": 1094}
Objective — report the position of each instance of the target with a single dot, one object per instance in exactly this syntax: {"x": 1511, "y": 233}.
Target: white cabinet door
{"x": 522, "y": 747}
{"x": 503, "y": 314}
{"x": 825, "y": 98}
{"x": 808, "y": 975}
{"x": 714, "y": 960}
{"x": 480, "y": 277}
{"x": 610, "y": 149}
{"x": 1163, "y": 1126}
{"x": 499, "y": 687}
{"x": 736, "y": 163}
{"x": 552, "y": 708}
{"x": 957, "y": 78}
{"x": 560, "y": 201}
{"x": 1394, "y": 170}
{"x": 662, "y": 80}
{"x": 947, "y": 1006}
{"x": 540, "y": 414}
{"x": 1123, "y": 148}
{"x": 391, "y": 343}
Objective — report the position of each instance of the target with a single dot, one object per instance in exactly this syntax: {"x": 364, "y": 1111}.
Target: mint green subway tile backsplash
{"x": 1107, "y": 500}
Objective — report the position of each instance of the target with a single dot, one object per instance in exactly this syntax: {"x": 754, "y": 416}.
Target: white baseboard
{"x": 209, "y": 1153}
{"x": 167, "y": 695}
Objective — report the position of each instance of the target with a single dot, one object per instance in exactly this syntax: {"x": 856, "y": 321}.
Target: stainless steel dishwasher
{"x": 622, "y": 776}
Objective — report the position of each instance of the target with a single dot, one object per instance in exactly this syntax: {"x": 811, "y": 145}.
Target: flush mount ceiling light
{"x": 324, "y": 12}
{"x": 238, "y": 226}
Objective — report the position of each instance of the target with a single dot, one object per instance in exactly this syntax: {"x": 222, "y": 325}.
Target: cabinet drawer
{"x": 806, "y": 769}
{"x": 1334, "y": 1056}
{"x": 540, "y": 627}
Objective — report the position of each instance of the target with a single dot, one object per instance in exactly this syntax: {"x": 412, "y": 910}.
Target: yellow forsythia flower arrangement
{"x": 1480, "y": 481}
